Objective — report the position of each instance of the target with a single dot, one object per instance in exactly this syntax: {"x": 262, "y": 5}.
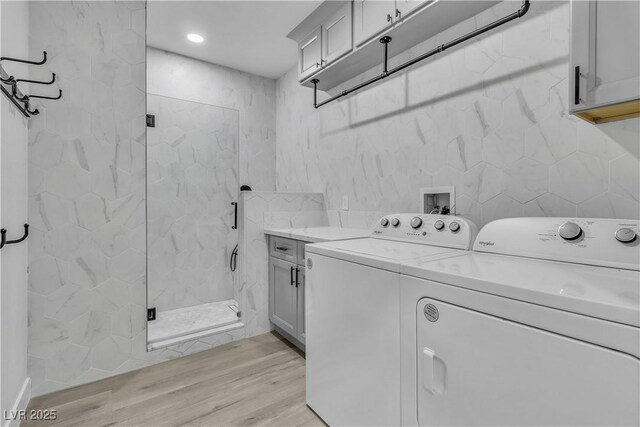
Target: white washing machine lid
{"x": 379, "y": 253}
{"x": 602, "y": 292}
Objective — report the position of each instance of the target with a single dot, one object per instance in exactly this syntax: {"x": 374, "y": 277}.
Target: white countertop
{"x": 319, "y": 234}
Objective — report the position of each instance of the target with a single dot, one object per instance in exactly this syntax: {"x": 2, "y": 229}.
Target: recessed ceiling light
{"x": 196, "y": 38}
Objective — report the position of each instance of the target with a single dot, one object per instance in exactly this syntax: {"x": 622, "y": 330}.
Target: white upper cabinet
{"x": 404, "y": 8}
{"x": 605, "y": 60}
{"x": 310, "y": 54}
{"x": 339, "y": 39}
{"x": 337, "y": 35}
{"x": 371, "y": 17}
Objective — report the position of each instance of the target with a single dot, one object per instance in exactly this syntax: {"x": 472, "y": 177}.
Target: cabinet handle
{"x": 398, "y": 13}
{"x": 282, "y": 248}
{"x": 389, "y": 18}
{"x": 576, "y": 84}
{"x": 292, "y": 268}
{"x": 235, "y": 216}
{"x": 297, "y": 282}
{"x": 317, "y": 64}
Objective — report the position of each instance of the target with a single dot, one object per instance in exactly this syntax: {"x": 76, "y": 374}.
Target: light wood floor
{"x": 255, "y": 381}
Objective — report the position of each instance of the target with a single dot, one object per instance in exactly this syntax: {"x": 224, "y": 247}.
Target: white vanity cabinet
{"x": 329, "y": 41}
{"x": 605, "y": 60}
{"x": 286, "y": 288}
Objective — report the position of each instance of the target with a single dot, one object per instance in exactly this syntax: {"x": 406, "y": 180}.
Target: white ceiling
{"x": 246, "y": 35}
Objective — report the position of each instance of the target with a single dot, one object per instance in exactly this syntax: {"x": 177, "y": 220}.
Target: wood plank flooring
{"x": 255, "y": 381}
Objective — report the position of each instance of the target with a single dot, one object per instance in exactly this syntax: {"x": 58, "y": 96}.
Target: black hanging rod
{"x": 524, "y": 8}
{"x": 3, "y": 237}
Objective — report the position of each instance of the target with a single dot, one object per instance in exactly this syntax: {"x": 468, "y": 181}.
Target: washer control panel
{"x": 593, "y": 241}
{"x": 437, "y": 230}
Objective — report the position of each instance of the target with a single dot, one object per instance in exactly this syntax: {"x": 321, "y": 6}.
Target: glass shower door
{"x": 192, "y": 180}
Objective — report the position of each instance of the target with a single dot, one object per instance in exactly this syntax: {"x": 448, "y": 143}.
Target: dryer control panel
{"x": 436, "y": 230}
{"x": 593, "y": 241}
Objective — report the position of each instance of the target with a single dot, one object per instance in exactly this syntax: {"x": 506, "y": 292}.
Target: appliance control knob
{"x": 625, "y": 235}
{"x": 395, "y": 222}
{"x": 384, "y": 222}
{"x": 439, "y": 225}
{"x": 570, "y": 231}
{"x": 454, "y": 226}
{"x": 416, "y": 222}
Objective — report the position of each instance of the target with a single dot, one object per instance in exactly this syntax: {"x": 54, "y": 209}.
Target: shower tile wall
{"x": 253, "y": 96}
{"x": 489, "y": 117}
{"x": 86, "y": 188}
{"x": 192, "y": 178}
{"x": 87, "y": 296}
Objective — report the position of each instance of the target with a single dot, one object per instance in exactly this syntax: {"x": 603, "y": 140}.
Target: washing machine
{"x": 539, "y": 325}
{"x": 352, "y": 315}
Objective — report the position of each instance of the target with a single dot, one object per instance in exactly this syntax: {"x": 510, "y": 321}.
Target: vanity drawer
{"x": 285, "y": 249}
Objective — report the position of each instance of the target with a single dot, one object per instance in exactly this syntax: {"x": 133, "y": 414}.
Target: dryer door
{"x": 474, "y": 369}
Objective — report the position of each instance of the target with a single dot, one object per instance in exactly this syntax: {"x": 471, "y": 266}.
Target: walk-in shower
{"x": 192, "y": 185}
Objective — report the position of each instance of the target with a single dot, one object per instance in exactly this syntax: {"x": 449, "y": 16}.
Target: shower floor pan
{"x": 184, "y": 324}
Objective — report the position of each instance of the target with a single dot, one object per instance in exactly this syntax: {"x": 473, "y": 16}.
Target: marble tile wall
{"x": 254, "y": 97}
{"x": 489, "y": 117}
{"x": 253, "y": 292}
{"x": 87, "y": 294}
{"x": 295, "y": 219}
{"x": 192, "y": 179}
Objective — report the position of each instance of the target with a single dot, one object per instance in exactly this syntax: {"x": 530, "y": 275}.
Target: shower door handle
{"x": 235, "y": 215}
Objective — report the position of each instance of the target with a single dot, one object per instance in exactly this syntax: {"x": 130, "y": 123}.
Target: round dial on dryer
{"x": 454, "y": 226}
{"x": 570, "y": 231}
{"x": 384, "y": 222}
{"x": 439, "y": 225}
{"x": 395, "y": 222}
{"x": 625, "y": 235}
{"x": 416, "y": 222}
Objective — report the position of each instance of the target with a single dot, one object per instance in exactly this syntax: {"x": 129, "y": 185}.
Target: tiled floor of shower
{"x": 174, "y": 326}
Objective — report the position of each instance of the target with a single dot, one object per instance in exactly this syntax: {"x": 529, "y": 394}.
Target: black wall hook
{"x": 44, "y": 59}
{"x": 53, "y": 80}
{"x": 4, "y": 241}
{"x": 16, "y": 96}
{"x": 47, "y": 97}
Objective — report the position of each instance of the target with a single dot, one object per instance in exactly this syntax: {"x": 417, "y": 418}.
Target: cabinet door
{"x": 406, "y": 7}
{"x": 371, "y": 17}
{"x": 605, "y": 45}
{"x": 337, "y": 35}
{"x": 310, "y": 54}
{"x": 283, "y": 296}
{"x": 301, "y": 328}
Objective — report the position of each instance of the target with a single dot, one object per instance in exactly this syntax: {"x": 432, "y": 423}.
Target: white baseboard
{"x": 20, "y": 404}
